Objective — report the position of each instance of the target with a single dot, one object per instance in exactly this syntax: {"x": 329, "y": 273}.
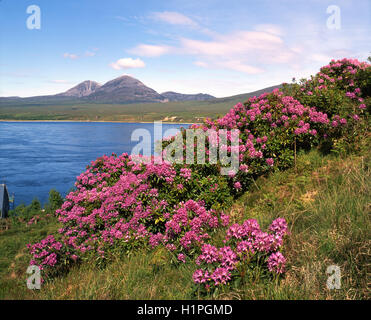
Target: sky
{"x": 220, "y": 47}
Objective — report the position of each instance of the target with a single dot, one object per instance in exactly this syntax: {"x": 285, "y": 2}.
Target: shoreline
{"x": 98, "y": 121}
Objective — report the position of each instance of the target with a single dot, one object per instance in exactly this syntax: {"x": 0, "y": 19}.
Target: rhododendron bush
{"x": 120, "y": 204}
{"x": 246, "y": 247}
{"x": 275, "y": 125}
{"x": 342, "y": 90}
{"x": 336, "y": 89}
{"x": 271, "y": 127}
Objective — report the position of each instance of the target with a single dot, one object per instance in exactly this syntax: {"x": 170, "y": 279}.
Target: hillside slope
{"x": 174, "y": 96}
{"x": 325, "y": 199}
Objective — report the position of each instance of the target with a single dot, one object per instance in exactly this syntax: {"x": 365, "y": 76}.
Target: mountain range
{"x": 122, "y": 90}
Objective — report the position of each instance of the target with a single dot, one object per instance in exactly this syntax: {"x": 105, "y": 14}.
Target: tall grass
{"x": 327, "y": 205}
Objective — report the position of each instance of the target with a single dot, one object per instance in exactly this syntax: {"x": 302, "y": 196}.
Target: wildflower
{"x": 181, "y": 257}
{"x": 225, "y": 219}
{"x": 237, "y": 185}
{"x": 269, "y": 162}
{"x": 276, "y": 262}
{"x": 201, "y": 276}
{"x": 221, "y": 276}
{"x": 279, "y": 226}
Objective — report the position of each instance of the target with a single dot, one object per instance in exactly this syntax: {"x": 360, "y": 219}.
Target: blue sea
{"x": 38, "y": 156}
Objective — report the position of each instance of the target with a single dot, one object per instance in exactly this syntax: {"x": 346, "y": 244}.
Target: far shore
{"x": 95, "y": 121}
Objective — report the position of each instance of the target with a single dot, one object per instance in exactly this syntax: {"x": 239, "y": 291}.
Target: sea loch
{"x": 38, "y": 156}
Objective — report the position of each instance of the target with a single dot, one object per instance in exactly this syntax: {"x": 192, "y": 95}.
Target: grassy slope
{"x": 189, "y": 111}
{"x": 14, "y": 257}
{"x": 326, "y": 201}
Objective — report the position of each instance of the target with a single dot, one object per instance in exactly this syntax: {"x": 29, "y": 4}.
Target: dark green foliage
{"x": 55, "y": 201}
{"x": 23, "y": 212}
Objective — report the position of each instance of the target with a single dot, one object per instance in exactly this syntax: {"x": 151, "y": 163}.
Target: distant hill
{"x": 122, "y": 90}
{"x": 243, "y": 97}
{"x": 174, "y": 96}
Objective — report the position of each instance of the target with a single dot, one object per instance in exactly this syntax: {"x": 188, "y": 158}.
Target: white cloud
{"x": 175, "y": 18}
{"x": 201, "y": 64}
{"x": 244, "y": 51}
{"x": 237, "y": 43}
{"x": 60, "y": 81}
{"x": 127, "y": 63}
{"x": 239, "y": 66}
{"x": 70, "y": 56}
{"x": 268, "y": 50}
{"x": 235, "y": 65}
{"x": 90, "y": 53}
{"x": 270, "y": 28}
{"x": 147, "y": 50}
{"x": 321, "y": 58}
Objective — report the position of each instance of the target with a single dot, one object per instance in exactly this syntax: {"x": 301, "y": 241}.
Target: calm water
{"x": 38, "y": 156}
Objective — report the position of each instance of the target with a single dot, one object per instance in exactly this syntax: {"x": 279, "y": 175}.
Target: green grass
{"x": 189, "y": 111}
{"x": 325, "y": 199}
{"x": 14, "y": 258}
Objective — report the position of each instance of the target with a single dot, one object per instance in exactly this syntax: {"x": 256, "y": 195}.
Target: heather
{"x": 120, "y": 206}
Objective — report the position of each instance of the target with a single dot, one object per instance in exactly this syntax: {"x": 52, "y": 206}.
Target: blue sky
{"x": 217, "y": 47}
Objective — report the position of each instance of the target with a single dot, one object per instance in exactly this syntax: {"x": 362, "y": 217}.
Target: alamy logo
{"x": 334, "y": 280}
{"x": 34, "y": 20}
{"x": 334, "y": 20}
{"x": 222, "y": 145}
{"x": 34, "y": 281}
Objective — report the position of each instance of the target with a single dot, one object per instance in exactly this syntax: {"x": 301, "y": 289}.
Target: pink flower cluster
{"x": 188, "y": 228}
{"x": 275, "y": 109}
{"x": 338, "y": 74}
{"x": 46, "y": 252}
{"x": 244, "y": 244}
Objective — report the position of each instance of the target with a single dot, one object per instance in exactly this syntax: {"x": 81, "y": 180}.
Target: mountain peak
{"x": 83, "y": 89}
{"x": 125, "y": 89}
{"x": 124, "y": 81}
